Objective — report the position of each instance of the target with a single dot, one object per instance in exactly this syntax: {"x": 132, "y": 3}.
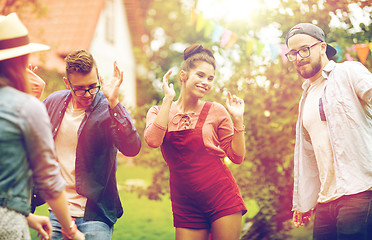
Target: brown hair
{"x": 13, "y": 73}
{"x": 80, "y": 61}
{"x": 196, "y": 52}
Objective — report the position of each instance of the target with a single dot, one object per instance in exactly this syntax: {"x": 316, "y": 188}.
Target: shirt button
{"x": 55, "y": 129}
{"x": 115, "y": 114}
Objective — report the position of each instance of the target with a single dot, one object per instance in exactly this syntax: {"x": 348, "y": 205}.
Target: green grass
{"x": 143, "y": 219}
{"x": 302, "y": 233}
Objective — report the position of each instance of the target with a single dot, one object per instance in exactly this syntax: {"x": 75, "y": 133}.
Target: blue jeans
{"x": 348, "y": 217}
{"x": 93, "y": 230}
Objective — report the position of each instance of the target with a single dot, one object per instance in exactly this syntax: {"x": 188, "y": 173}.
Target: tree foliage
{"x": 271, "y": 91}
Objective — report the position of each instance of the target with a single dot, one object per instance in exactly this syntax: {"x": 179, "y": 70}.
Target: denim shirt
{"x": 102, "y": 132}
{"x": 27, "y": 152}
{"x": 347, "y": 107}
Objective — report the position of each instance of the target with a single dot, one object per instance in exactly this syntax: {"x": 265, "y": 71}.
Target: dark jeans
{"x": 348, "y": 217}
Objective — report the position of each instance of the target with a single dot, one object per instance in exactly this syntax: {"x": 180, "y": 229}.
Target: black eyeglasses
{"x": 304, "y": 53}
{"x": 82, "y": 92}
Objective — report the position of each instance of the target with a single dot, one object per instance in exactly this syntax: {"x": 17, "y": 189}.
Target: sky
{"x": 232, "y": 9}
{"x": 242, "y": 9}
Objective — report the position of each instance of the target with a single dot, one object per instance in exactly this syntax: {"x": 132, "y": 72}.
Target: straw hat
{"x": 14, "y": 39}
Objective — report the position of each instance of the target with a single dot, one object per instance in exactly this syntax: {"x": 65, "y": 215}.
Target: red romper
{"x": 201, "y": 186}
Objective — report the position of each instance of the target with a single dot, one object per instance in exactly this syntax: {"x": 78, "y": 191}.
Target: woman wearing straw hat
{"x": 27, "y": 152}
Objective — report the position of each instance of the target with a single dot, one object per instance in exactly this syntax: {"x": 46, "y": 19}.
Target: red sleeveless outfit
{"x": 201, "y": 186}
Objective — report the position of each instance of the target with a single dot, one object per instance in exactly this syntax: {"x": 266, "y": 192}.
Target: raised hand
{"x": 169, "y": 92}
{"x": 235, "y": 106}
{"x": 37, "y": 84}
{"x": 111, "y": 88}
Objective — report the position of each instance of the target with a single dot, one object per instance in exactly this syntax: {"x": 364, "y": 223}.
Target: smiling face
{"x": 309, "y": 67}
{"x": 197, "y": 82}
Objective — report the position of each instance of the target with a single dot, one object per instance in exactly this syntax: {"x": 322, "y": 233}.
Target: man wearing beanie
{"x": 333, "y": 150}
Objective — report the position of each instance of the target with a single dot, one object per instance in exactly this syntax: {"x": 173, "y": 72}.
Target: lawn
{"x": 143, "y": 219}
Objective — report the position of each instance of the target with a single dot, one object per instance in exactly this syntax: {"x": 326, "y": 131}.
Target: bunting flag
{"x": 234, "y": 37}
{"x": 259, "y": 48}
{"x": 339, "y": 53}
{"x": 194, "y": 17}
{"x": 208, "y": 29}
{"x": 200, "y": 22}
{"x": 227, "y": 39}
{"x": 349, "y": 57}
{"x": 226, "y": 34}
{"x": 250, "y": 43}
{"x": 275, "y": 48}
{"x": 362, "y": 51}
{"x": 217, "y": 32}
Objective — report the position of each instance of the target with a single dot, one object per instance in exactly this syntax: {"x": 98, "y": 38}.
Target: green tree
{"x": 271, "y": 91}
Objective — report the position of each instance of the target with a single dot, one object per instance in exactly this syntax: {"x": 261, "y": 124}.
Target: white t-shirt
{"x": 66, "y": 142}
{"x": 319, "y": 135}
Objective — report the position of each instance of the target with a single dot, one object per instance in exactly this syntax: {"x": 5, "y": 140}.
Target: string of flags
{"x": 228, "y": 38}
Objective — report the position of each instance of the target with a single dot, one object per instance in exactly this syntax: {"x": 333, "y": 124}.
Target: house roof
{"x": 70, "y": 24}
{"x": 66, "y": 25}
{"x": 135, "y": 10}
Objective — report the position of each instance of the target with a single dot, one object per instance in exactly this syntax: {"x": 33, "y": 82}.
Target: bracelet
{"x": 70, "y": 233}
{"x": 239, "y": 130}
